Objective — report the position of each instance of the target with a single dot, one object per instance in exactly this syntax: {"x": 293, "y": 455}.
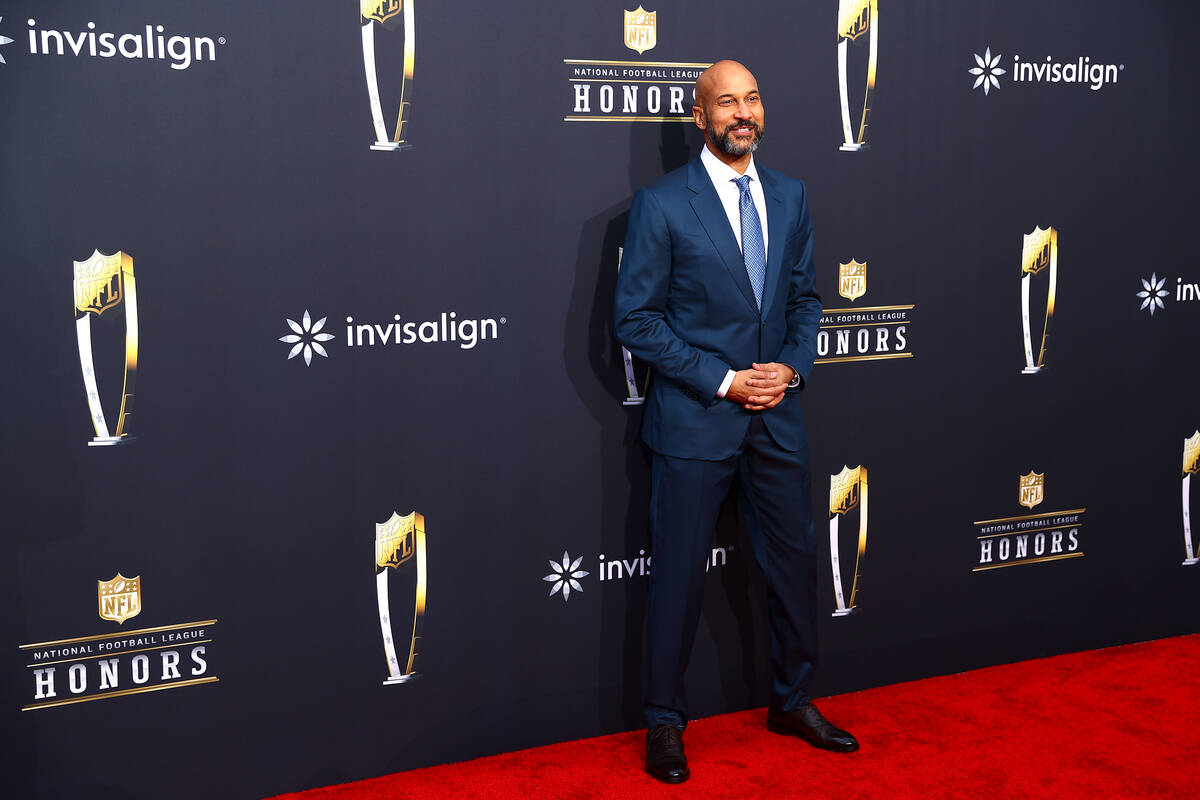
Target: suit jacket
{"x": 684, "y": 304}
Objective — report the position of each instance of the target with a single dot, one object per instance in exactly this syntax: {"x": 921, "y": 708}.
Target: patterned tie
{"x": 753, "y": 251}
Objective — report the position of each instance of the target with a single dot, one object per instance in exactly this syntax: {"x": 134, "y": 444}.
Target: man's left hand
{"x": 779, "y": 376}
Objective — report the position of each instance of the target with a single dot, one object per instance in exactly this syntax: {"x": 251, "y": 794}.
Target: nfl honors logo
{"x": 1031, "y": 489}
{"x": 852, "y": 280}
{"x": 1033, "y": 538}
{"x": 641, "y": 29}
{"x": 120, "y": 598}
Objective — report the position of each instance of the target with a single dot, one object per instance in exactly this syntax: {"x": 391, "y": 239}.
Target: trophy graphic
{"x": 634, "y": 396}
{"x": 856, "y": 18}
{"x": 397, "y": 541}
{"x": 1191, "y": 465}
{"x": 847, "y": 490}
{"x": 388, "y": 14}
{"x": 1039, "y": 253}
{"x": 105, "y": 283}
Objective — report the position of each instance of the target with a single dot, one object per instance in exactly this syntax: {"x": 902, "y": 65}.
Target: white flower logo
{"x": 307, "y": 337}
{"x": 1153, "y": 292}
{"x": 3, "y": 40}
{"x": 987, "y": 70}
{"x": 565, "y": 576}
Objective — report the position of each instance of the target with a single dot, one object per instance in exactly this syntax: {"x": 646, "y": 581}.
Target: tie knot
{"x": 743, "y": 182}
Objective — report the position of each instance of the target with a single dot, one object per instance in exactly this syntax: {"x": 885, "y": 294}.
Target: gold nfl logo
{"x": 394, "y": 540}
{"x": 854, "y": 18}
{"x": 641, "y": 29}
{"x": 852, "y": 280}
{"x": 1191, "y": 454}
{"x": 1031, "y": 489}
{"x": 1036, "y": 250}
{"x": 120, "y": 598}
{"x": 844, "y": 490}
{"x": 380, "y": 10}
{"x": 100, "y": 281}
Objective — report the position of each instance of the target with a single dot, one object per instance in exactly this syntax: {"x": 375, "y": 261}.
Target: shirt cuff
{"x": 725, "y": 384}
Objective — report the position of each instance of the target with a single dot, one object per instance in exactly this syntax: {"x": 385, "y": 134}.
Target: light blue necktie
{"x": 753, "y": 252}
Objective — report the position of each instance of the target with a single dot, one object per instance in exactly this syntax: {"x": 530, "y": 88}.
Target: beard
{"x": 727, "y": 144}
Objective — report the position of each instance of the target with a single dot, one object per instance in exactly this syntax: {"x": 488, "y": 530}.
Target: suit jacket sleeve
{"x": 641, "y": 306}
{"x": 803, "y": 308}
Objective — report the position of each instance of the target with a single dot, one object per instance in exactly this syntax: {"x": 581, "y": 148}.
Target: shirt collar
{"x": 721, "y": 173}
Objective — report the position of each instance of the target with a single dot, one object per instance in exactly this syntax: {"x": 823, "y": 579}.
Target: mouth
{"x": 744, "y": 130}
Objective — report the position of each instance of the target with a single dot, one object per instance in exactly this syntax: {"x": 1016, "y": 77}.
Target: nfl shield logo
{"x": 641, "y": 29}
{"x": 844, "y": 490}
{"x": 1191, "y": 454}
{"x": 1036, "y": 250}
{"x": 99, "y": 281}
{"x": 120, "y": 598}
{"x": 852, "y": 280}
{"x": 1031, "y": 489}
{"x": 394, "y": 540}
{"x": 380, "y": 10}
{"x": 854, "y": 18}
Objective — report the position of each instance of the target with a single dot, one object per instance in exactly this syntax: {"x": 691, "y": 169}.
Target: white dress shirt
{"x": 724, "y": 179}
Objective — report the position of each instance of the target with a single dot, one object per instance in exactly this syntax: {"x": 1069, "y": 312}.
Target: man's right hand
{"x": 757, "y": 390}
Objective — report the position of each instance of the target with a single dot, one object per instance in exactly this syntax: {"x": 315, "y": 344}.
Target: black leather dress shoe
{"x": 807, "y": 723}
{"x": 664, "y": 754}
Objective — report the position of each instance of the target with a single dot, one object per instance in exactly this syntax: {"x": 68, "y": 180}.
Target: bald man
{"x": 716, "y": 293}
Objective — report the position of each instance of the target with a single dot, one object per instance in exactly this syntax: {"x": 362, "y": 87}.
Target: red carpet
{"x": 1117, "y": 723}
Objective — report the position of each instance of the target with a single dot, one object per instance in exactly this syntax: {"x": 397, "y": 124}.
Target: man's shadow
{"x": 600, "y": 381}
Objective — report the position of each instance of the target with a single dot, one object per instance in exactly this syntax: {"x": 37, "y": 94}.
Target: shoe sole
{"x": 669, "y": 778}
{"x": 784, "y": 730}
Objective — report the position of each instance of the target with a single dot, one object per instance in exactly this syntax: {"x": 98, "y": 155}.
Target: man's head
{"x": 728, "y": 109}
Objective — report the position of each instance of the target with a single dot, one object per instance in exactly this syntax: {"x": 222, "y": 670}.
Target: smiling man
{"x": 716, "y": 293}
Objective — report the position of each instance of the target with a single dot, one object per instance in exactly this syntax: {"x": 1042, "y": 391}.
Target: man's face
{"x": 732, "y": 115}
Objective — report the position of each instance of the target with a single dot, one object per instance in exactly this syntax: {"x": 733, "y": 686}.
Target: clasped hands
{"x": 760, "y": 387}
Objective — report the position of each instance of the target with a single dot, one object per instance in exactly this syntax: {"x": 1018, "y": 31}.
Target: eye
{"x": 725, "y": 101}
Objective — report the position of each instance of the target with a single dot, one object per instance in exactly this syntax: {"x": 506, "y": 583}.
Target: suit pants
{"x": 775, "y": 490}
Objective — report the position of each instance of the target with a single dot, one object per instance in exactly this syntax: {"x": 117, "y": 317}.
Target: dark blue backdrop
{"x": 244, "y": 187}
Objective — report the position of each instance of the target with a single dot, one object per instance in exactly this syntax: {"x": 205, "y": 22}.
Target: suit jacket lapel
{"x": 776, "y": 236}
{"x": 713, "y": 219}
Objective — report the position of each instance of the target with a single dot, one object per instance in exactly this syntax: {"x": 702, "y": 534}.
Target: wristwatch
{"x": 795, "y": 382}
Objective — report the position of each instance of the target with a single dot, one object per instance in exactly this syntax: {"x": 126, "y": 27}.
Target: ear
{"x": 698, "y": 117}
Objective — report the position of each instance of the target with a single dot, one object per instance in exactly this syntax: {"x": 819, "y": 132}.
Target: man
{"x": 716, "y": 293}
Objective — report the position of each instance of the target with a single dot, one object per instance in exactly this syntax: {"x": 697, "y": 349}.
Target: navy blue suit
{"x": 685, "y": 305}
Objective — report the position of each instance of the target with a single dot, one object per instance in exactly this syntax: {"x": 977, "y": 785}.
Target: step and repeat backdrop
{"x": 321, "y": 461}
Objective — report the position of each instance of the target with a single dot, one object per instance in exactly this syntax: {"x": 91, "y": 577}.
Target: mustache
{"x": 754, "y": 126}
